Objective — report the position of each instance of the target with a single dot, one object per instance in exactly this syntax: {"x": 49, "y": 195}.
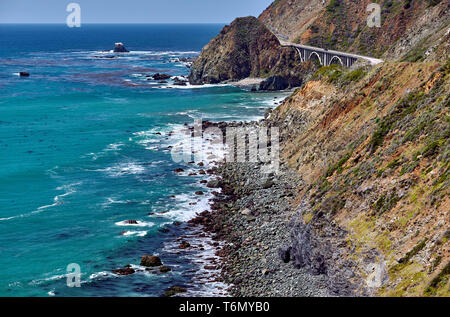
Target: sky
{"x": 131, "y": 11}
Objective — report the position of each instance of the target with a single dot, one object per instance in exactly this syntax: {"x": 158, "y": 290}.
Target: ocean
{"x": 85, "y": 145}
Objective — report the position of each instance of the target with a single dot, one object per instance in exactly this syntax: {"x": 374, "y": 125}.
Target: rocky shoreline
{"x": 252, "y": 217}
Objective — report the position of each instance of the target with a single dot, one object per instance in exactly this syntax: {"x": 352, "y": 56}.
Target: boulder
{"x": 213, "y": 183}
{"x": 165, "y": 269}
{"x": 24, "y": 74}
{"x": 120, "y": 48}
{"x": 159, "y": 76}
{"x": 150, "y": 261}
{"x": 174, "y": 290}
{"x": 285, "y": 254}
{"x": 124, "y": 271}
{"x": 268, "y": 184}
{"x": 131, "y": 222}
{"x": 180, "y": 82}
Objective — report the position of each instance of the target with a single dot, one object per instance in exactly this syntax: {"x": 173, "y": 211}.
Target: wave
{"x": 122, "y": 169}
{"x": 125, "y": 223}
{"x": 57, "y": 200}
{"x": 134, "y": 233}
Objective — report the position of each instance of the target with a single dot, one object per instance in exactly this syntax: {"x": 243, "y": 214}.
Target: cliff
{"x": 342, "y": 24}
{"x": 245, "y": 48}
{"x": 372, "y": 146}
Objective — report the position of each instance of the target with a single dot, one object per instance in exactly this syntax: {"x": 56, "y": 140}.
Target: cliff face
{"x": 246, "y": 48}
{"x": 342, "y": 24}
{"x": 372, "y": 145}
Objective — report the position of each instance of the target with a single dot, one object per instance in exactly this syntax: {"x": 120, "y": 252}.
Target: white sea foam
{"x": 135, "y": 233}
{"x": 138, "y": 224}
{"x": 189, "y": 86}
{"x": 121, "y": 169}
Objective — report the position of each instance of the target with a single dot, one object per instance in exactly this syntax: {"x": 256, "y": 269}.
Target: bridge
{"x": 328, "y": 57}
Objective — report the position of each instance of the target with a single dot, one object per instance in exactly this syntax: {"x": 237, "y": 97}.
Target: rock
{"x": 120, "y": 48}
{"x": 199, "y": 193}
{"x": 131, "y": 222}
{"x": 150, "y": 261}
{"x": 213, "y": 183}
{"x": 174, "y": 290}
{"x": 184, "y": 245}
{"x": 180, "y": 82}
{"x": 159, "y": 76}
{"x": 285, "y": 254}
{"x": 124, "y": 271}
{"x": 267, "y": 113}
{"x": 246, "y": 212}
{"x": 165, "y": 269}
{"x": 280, "y": 82}
{"x": 268, "y": 184}
{"x": 24, "y": 74}
{"x": 274, "y": 83}
{"x": 246, "y": 48}
{"x": 179, "y": 170}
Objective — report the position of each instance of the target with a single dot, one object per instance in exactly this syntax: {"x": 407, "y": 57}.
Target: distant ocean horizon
{"x": 85, "y": 145}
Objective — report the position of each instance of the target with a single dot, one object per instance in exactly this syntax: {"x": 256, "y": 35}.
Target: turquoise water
{"x": 79, "y": 154}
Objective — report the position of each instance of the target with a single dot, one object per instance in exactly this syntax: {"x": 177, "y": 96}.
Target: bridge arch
{"x": 317, "y": 55}
{"x": 336, "y": 58}
{"x": 299, "y": 51}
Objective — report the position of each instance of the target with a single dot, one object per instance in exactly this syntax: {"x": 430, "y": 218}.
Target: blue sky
{"x": 130, "y": 11}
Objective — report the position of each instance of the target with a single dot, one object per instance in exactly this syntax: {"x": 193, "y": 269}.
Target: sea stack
{"x": 120, "y": 48}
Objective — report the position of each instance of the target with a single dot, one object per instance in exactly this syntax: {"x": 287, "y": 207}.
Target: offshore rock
{"x": 120, "y": 48}
{"x": 150, "y": 261}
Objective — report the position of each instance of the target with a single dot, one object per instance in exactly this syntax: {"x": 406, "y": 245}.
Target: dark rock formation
{"x": 179, "y": 82}
{"x": 159, "y": 76}
{"x": 174, "y": 290}
{"x": 285, "y": 254}
{"x": 246, "y": 48}
{"x": 213, "y": 183}
{"x": 120, "y": 48}
{"x": 150, "y": 261}
{"x": 124, "y": 271}
{"x": 165, "y": 269}
{"x": 274, "y": 83}
{"x": 280, "y": 83}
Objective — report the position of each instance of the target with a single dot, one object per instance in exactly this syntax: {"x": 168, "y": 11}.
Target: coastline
{"x": 250, "y": 220}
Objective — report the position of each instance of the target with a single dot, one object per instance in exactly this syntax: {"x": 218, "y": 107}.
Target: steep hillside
{"x": 246, "y": 48}
{"x": 342, "y": 24}
{"x": 373, "y": 147}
